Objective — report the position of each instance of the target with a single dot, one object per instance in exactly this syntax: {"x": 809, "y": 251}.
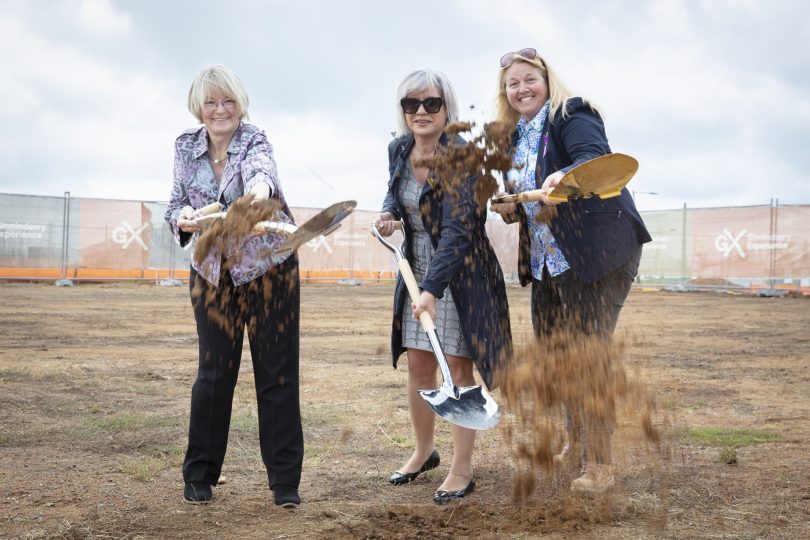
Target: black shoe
{"x": 399, "y": 478}
{"x": 286, "y": 496}
{"x": 197, "y": 493}
{"x": 443, "y": 497}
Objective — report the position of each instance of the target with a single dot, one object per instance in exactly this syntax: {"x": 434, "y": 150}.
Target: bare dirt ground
{"x": 94, "y": 393}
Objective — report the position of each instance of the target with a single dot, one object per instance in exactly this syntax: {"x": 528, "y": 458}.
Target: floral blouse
{"x": 544, "y": 249}
{"x": 250, "y": 160}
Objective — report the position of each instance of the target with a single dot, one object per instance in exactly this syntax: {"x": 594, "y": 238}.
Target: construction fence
{"x": 66, "y": 238}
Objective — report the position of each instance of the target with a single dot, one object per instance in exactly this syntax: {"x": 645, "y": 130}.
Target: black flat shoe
{"x": 197, "y": 493}
{"x": 399, "y": 478}
{"x": 286, "y": 496}
{"x": 443, "y": 497}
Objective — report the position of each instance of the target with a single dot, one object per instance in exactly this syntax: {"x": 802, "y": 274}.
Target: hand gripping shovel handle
{"x": 212, "y": 208}
{"x": 525, "y": 196}
{"x": 424, "y": 318}
{"x": 471, "y": 407}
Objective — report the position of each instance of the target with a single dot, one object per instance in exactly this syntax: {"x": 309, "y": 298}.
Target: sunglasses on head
{"x": 528, "y": 54}
{"x": 431, "y": 104}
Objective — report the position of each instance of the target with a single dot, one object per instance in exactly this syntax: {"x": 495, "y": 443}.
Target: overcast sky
{"x": 712, "y": 97}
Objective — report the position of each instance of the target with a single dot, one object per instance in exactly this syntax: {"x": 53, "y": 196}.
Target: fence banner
{"x": 751, "y": 243}
{"x": 667, "y": 256}
{"x": 31, "y": 231}
{"x": 114, "y": 239}
{"x": 114, "y": 234}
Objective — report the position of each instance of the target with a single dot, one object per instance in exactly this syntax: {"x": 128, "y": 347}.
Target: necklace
{"x": 218, "y": 161}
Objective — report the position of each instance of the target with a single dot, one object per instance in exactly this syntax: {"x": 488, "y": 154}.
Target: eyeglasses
{"x": 528, "y": 54}
{"x": 227, "y": 104}
{"x": 431, "y": 104}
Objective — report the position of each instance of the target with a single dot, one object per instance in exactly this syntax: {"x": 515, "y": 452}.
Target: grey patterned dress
{"x": 448, "y": 327}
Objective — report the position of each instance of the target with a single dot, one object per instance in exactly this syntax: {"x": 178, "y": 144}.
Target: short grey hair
{"x": 217, "y": 79}
{"x": 423, "y": 79}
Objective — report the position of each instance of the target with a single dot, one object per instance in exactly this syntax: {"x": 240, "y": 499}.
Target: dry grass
{"x": 94, "y": 390}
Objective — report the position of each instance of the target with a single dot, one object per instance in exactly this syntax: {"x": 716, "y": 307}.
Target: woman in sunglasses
{"x": 460, "y": 278}
{"x": 582, "y": 261}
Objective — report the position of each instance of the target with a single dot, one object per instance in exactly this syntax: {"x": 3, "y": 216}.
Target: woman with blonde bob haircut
{"x": 457, "y": 270}
{"x": 217, "y": 79}
{"x": 221, "y": 161}
{"x": 582, "y": 260}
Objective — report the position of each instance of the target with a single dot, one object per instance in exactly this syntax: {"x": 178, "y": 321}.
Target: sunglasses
{"x": 431, "y": 104}
{"x": 528, "y": 54}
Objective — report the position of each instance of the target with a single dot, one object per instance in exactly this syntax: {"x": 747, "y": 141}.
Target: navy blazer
{"x": 596, "y": 236}
{"x": 464, "y": 260}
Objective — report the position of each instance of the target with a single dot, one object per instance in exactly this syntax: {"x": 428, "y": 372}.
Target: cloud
{"x": 320, "y": 160}
{"x": 707, "y": 94}
{"x": 98, "y": 16}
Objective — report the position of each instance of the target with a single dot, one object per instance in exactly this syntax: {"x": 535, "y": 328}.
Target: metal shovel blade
{"x": 322, "y": 223}
{"x": 474, "y": 408}
{"x": 470, "y": 406}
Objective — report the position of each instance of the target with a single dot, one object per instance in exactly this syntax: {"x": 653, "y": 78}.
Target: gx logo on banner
{"x": 727, "y": 242}
{"x": 125, "y": 234}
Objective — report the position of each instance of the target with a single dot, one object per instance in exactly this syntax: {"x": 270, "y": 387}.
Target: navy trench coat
{"x": 596, "y": 235}
{"x": 464, "y": 261}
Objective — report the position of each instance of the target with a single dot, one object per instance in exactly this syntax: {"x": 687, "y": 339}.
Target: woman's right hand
{"x": 187, "y": 220}
{"x": 504, "y": 209}
{"x": 384, "y": 223}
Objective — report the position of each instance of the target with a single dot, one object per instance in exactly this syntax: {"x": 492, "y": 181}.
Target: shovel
{"x": 322, "y": 223}
{"x": 469, "y": 406}
{"x": 604, "y": 177}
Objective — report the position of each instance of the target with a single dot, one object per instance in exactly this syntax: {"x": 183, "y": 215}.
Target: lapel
{"x": 404, "y": 148}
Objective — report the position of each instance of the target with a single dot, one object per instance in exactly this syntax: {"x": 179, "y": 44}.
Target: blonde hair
{"x": 558, "y": 94}
{"x": 422, "y": 80}
{"x": 217, "y": 79}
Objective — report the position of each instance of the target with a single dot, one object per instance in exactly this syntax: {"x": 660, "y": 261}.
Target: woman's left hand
{"x": 549, "y": 184}
{"x": 427, "y": 302}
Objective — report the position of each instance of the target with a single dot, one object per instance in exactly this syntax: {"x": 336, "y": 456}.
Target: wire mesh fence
{"x": 763, "y": 247}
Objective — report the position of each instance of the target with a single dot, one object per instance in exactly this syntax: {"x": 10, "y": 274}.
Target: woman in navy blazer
{"x": 583, "y": 261}
{"x": 462, "y": 281}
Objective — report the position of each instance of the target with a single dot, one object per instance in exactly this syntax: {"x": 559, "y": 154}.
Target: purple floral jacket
{"x": 250, "y": 160}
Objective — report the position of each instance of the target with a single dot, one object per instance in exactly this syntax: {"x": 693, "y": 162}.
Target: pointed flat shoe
{"x": 399, "y": 478}
{"x": 444, "y": 497}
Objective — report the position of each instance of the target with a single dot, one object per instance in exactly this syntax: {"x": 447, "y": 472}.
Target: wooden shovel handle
{"x": 410, "y": 281}
{"x": 210, "y": 209}
{"x": 523, "y": 196}
{"x": 413, "y": 290}
{"x": 413, "y": 287}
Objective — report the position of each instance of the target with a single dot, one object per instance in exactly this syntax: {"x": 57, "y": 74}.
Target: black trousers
{"x": 564, "y": 303}
{"x": 269, "y": 308}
